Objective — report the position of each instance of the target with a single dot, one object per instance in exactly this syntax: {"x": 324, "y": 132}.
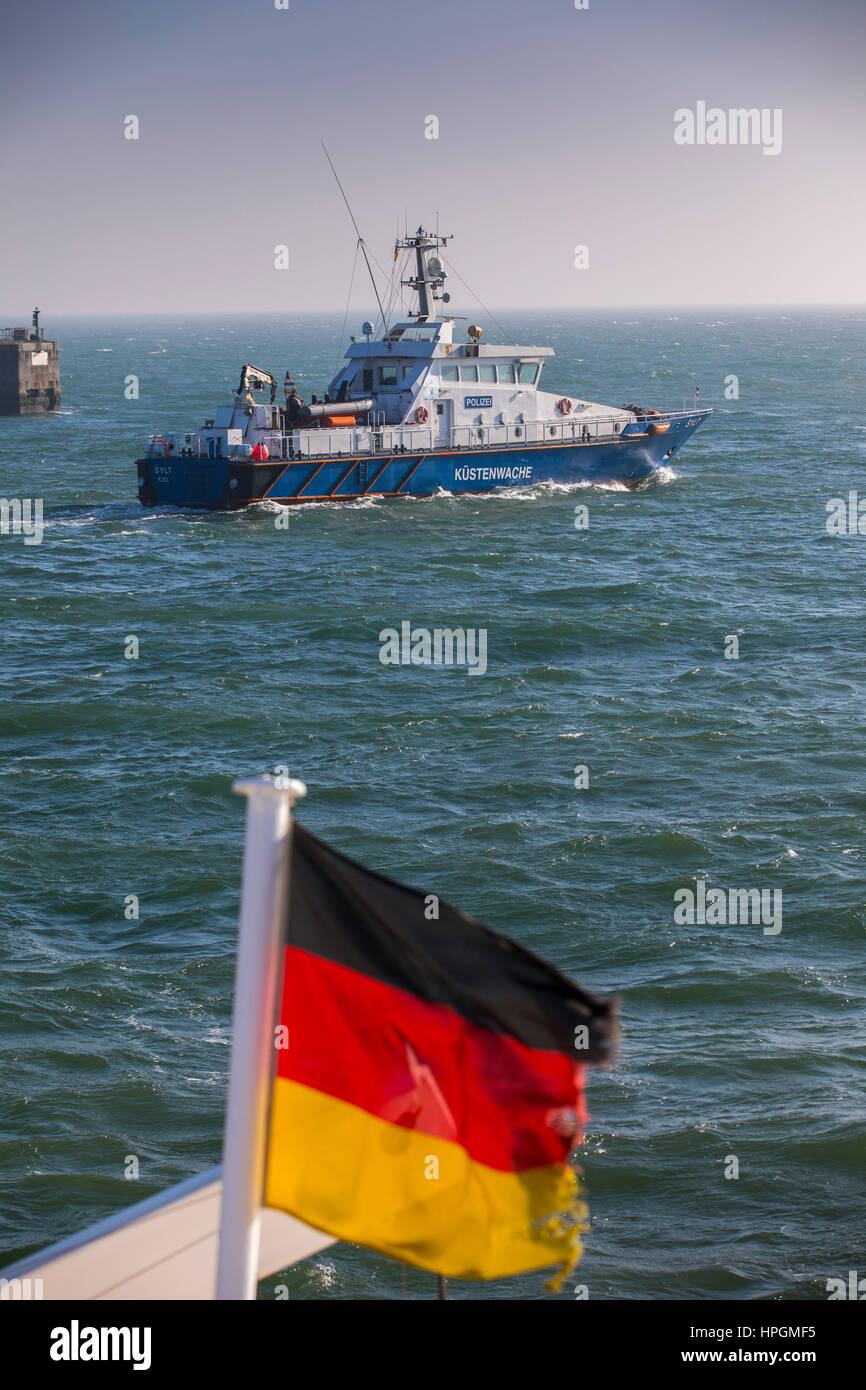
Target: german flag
{"x": 429, "y": 1079}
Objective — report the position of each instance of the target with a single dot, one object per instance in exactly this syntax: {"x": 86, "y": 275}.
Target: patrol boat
{"x": 411, "y": 413}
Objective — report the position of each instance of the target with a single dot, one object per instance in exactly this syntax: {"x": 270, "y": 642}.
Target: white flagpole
{"x": 264, "y": 897}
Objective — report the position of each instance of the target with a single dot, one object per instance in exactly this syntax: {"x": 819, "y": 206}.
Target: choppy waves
{"x": 259, "y": 645}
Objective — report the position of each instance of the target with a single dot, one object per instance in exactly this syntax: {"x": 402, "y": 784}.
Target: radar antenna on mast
{"x": 429, "y": 274}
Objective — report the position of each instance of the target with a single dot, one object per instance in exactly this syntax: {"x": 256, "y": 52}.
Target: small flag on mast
{"x": 429, "y": 1077}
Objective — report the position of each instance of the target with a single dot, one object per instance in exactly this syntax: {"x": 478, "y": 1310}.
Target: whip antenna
{"x": 361, "y": 242}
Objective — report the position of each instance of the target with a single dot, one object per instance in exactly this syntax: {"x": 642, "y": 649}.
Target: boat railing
{"x": 408, "y": 439}
{"x": 376, "y": 438}
{"x": 589, "y": 430}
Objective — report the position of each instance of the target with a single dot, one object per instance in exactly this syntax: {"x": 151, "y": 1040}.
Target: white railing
{"x": 378, "y": 439}
{"x": 397, "y": 439}
{"x": 171, "y": 444}
{"x": 572, "y": 431}
{"x": 388, "y": 439}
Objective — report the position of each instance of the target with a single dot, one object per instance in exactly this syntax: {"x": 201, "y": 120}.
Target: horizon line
{"x": 507, "y": 309}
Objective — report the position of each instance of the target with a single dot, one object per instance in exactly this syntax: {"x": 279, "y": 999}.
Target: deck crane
{"x": 254, "y": 378}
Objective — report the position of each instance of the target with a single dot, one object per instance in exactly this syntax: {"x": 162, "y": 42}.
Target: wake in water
{"x": 85, "y": 514}
{"x": 533, "y": 492}
{"x": 89, "y": 514}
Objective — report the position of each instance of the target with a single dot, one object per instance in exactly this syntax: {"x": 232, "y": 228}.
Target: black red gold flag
{"x": 429, "y": 1081}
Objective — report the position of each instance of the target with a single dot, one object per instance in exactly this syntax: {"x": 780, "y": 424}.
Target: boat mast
{"x": 429, "y": 273}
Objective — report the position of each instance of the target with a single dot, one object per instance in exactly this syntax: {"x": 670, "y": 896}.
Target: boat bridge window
{"x": 487, "y": 373}
{"x": 506, "y": 372}
{"x": 528, "y": 373}
{"x": 469, "y": 373}
{"x": 368, "y": 379}
{"x": 450, "y": 372}
{"x": 388, "y": 376}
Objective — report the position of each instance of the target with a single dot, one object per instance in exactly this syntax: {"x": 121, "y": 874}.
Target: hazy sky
{"x": 555, "y": 130}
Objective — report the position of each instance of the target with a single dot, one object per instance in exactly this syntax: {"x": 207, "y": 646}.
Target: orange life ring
{"x": 167, "y": 449}
{"x": 422, "y": 415}
{"x": 564, "y": 406}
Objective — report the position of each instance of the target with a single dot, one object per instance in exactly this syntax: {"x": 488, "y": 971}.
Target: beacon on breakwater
{"x": 29, "y": 371}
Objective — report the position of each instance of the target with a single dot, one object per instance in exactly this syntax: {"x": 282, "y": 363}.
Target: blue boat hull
{"x": 225, "y": 484}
